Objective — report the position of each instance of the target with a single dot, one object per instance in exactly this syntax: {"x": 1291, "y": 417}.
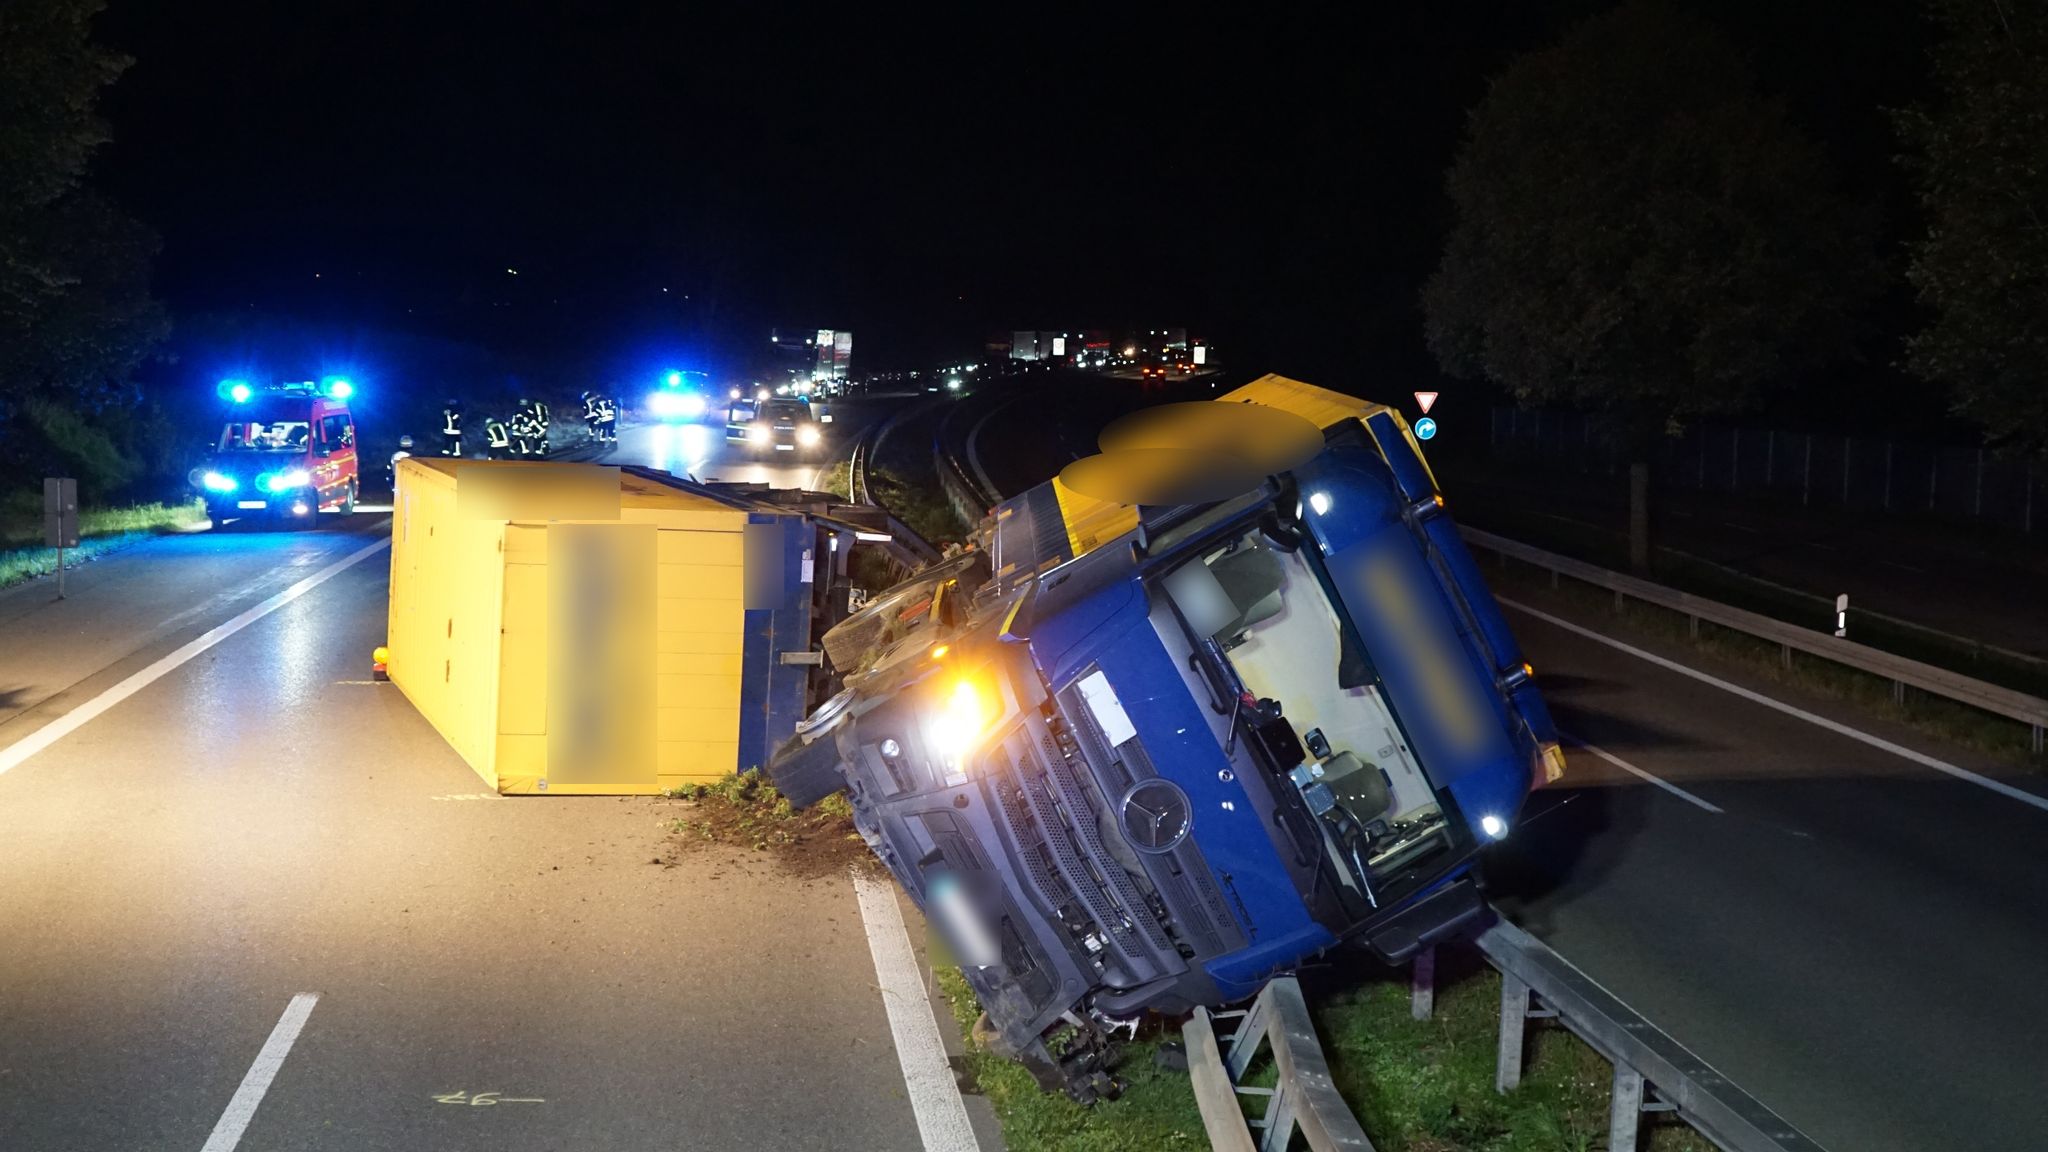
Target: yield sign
{"x": 1425, "y": 399}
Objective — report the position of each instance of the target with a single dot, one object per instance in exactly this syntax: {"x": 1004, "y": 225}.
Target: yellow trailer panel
{"x": 569, "y": 655}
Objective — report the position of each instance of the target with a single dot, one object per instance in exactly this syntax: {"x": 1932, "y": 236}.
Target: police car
{"x": 286, "y": 452}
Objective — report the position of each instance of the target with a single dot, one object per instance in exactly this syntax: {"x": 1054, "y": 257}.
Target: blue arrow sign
{"x": 1425, "y": 428}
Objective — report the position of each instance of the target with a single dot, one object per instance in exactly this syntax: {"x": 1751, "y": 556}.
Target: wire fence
{"x": 1811, "y": 469}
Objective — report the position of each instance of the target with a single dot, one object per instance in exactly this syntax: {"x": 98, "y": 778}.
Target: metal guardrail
{"x": 1653, "y": 1073}
{"x": 1303, "y": 1096}
{"x": 1901, "y": 671}
{"x": 969, "y": 499}
{"x": 906, "y": 547}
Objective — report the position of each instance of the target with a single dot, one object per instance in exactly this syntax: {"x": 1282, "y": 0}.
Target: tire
{"x": 806, "y": 773}
{"x": 348, "y": 500}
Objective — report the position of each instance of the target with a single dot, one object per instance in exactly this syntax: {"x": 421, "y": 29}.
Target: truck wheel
{"x": 348, "y": 500}
{"x": 806, "y": 773}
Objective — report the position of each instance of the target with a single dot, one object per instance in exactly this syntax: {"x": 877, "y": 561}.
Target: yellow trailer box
{"x": 569, "y": 628}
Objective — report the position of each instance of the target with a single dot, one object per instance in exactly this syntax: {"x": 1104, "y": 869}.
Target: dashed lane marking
{"x": 227, "y": 1132}
{"x": 1648, "y": 777}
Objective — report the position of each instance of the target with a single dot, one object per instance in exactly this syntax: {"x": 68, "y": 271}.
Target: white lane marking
{"x": 1840, "y": 729}
{"x": 242, "y": 1108}
{"x": 78, "y": 717}
{"x": 1632, "y": 770}
{"x": 1739, "y": 527}
{"x": 934, "y": 1096}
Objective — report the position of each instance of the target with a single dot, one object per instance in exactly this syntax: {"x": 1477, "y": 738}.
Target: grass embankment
{"x": 100, "y": 530}
{"x": 1416, "y": 1086}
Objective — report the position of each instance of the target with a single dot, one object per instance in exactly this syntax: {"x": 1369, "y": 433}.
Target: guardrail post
{"x": 1422, "y": 984}
{"x": 1692, "y": 624}
{"x": 1514, "y": 1019}
{"x": 1553, "y": 579}
{"x": 1625, "y": 1111}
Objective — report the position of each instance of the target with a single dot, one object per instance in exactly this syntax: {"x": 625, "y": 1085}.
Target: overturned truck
{"x": 1134, "y": 758}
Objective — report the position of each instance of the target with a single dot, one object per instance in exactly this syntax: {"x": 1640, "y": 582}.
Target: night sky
{"x": 1273, "y": 181}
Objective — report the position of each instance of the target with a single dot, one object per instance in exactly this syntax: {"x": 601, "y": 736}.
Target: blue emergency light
{"x": 235, "y": 390}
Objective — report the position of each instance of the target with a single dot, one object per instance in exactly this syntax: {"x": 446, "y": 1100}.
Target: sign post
{"x": 60, "y": 520}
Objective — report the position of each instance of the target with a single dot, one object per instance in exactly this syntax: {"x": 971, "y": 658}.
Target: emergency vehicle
{"x": 285, "y": 453}
{"x": 1137, "y": 759}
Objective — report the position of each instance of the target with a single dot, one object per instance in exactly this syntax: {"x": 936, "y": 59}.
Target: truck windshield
{"x": 1260, "y": 608}
{"x": 266, "y": 436}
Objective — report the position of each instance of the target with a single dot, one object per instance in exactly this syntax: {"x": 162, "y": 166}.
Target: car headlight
{"x": 284, "y": 481}
{"x": 215, "y": 482}
{"x": 690, "y": 406}
{"x": 808, "y": 436}
{"x": 759, "y": 433}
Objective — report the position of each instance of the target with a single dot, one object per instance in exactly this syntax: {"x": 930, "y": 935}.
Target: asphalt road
{"x": 1854, "y": 937}
{"x": 263, "y": 822}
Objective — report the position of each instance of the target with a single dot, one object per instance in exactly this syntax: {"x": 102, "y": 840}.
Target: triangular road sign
{"x": 1425, "y": 399}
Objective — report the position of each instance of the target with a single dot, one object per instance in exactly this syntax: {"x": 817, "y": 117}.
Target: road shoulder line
{"x": 1754, "y": 697}
{"x": 927, "y": 1077}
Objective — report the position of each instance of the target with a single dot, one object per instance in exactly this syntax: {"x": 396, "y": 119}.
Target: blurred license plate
{"x": 251, "y": 504}
{"x": 785, "y": 447}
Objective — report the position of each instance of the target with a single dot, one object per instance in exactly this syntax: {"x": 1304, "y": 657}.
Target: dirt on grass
{"x": 745, "y": 812}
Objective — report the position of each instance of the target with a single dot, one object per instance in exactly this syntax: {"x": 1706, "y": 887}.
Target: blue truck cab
{"x": 1132, "y": 759}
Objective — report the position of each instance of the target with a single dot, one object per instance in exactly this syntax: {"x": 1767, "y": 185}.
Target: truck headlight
{"x": 808, "y": 436}
{"x": 959, "y": 722}
{"x": 285, "y": 481}
{"x": 215, "y": 482}
{"x": 760, "y": 433}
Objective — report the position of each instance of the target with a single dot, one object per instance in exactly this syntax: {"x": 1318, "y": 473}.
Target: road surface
{"x": 257, "y": 902}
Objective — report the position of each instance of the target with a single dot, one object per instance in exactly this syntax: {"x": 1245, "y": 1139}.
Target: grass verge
{"x": 1416, "y": 1086}
{"x": 101, "y": 530}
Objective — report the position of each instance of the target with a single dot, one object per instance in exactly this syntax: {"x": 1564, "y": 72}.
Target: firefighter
{"x": 607, "y": 420}
{"x": 533, "y": 417}
{"x": 590, "y": 410}
{"x": 525, "y": 430}
{"x": 404, "y": 450}
{"x": 451, "y": 429}
{"x": 497, "y": 441}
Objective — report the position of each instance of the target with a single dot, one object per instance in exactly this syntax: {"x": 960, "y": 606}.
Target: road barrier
{"x": 1903, "y": 672}
{"x": 1303, "y": 1096}
{"x": 1653, "y": 1073}
{"x": 908, "y": 549}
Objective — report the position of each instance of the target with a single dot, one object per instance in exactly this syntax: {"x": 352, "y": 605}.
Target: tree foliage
{"x": 1979, "y": 153}
{"x": 75, "y": 311}
{"x": 1638, "y": 231}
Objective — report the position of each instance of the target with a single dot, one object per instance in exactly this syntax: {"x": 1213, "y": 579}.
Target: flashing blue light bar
{"x": 339, "y": 389}
{"x": 675, "y": 380}
{"x": 236, "y": 390}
